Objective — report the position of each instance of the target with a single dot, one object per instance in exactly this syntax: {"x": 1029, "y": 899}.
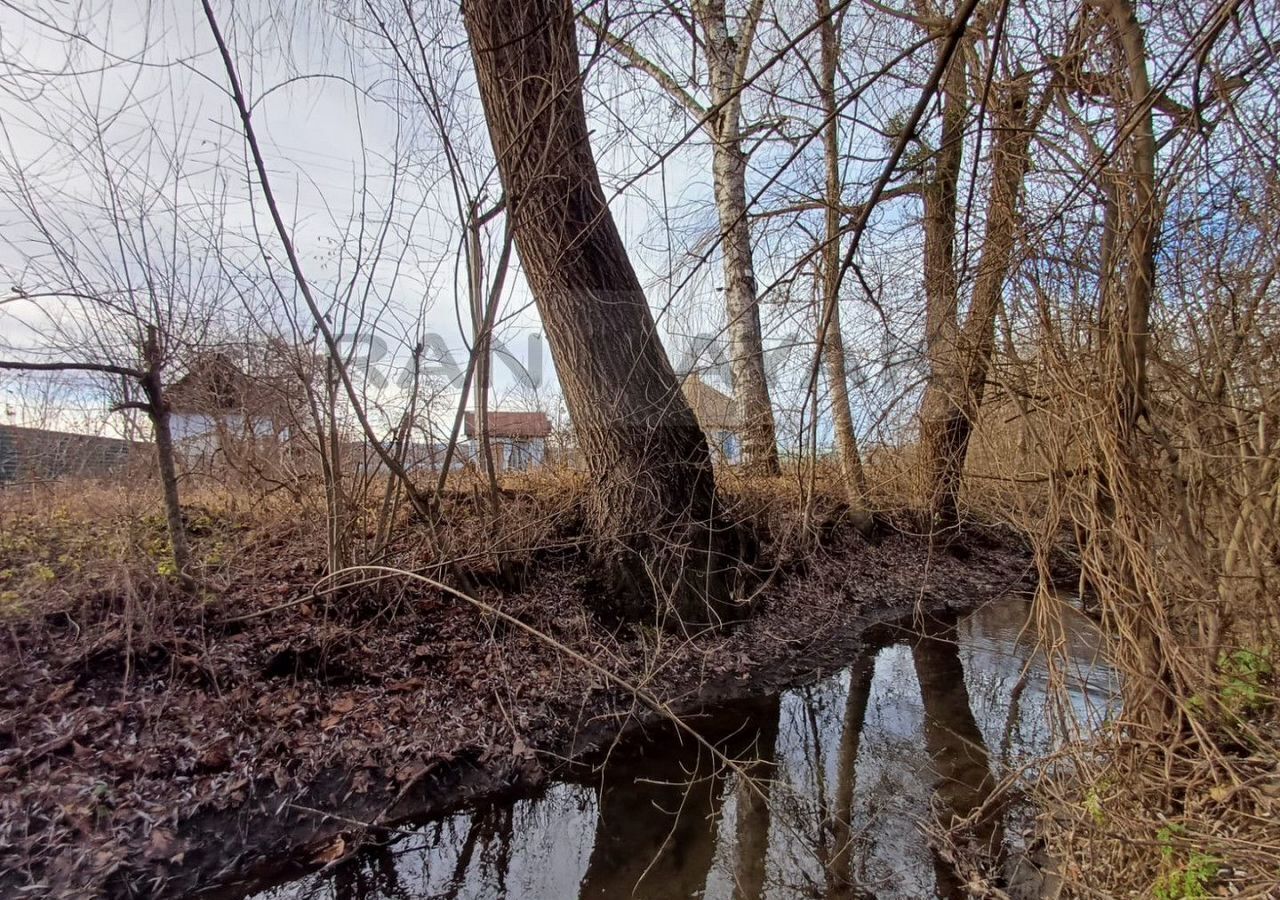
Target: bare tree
{"x": 961, "y": 353}
{"x": 123, "y": 288}
{"x": 855, "y": 479}
{"x": 655, "y": 510}
{"x": 727, "y": 56}
{"x": 149, "y": 380}
{"x": 1137, "y": 213}
{"x": 959, "y": 348}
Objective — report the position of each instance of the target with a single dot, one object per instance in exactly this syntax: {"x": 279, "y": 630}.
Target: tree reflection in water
{"x": 961, "y": 763}
{"x": 846, "y": 771}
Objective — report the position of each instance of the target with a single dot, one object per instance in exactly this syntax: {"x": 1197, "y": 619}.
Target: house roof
{"x": 216, "y": 383}
{"x": 213, "y": 383}
{"x": 511, "y": 424}
{"x": 714, "y": 409}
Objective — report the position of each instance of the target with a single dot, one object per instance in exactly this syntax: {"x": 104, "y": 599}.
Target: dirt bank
{"x": 202, "y": 759}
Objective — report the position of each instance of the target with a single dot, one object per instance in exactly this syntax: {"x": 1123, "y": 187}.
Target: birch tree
{"x": 726, "y": 55}
{"x": 855, "y": 481}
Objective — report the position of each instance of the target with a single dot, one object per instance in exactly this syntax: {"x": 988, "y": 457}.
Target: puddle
{"x": 847, "y": 770}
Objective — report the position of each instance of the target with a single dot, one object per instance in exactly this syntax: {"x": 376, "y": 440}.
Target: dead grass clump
{"x": 1174, "y": 524}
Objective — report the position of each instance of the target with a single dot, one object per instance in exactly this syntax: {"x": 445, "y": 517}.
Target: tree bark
{"x": 481, "y": 331}
{"x": 940, "y": 201}
{"x": 1142, "y": 219}
{"x": 158, "y": 411}
{"x": 657, "y": 529}
{"x": 725, "y": 60}
{"x": 742, "y": 309}
{"x": 855, "y": 481}
{"x": 960, "y": 365}
{"x": 941, "y": 294}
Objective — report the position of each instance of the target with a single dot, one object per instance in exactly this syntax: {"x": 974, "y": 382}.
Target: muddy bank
{"x": 878, "y": 780}
{"x": 220, "y": 764}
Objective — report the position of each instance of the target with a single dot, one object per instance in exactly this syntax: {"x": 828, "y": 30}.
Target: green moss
{"x": 11, "y": 604}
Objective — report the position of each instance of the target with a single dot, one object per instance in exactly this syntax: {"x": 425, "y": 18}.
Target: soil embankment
{"x": 209, "y": 756}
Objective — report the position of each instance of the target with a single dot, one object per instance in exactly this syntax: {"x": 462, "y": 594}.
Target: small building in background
{"x": 517, "y": 440}
{"x": 217, "y": 409}
{"x": 717, "y": 416}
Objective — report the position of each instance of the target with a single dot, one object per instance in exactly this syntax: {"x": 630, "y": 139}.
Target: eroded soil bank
{"x": 197, "y": 764}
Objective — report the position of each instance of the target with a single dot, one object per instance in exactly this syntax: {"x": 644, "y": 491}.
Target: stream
{"x": 843, "y": 778}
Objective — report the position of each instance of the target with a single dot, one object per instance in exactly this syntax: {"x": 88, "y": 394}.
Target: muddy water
{"x": 843, "y": 777}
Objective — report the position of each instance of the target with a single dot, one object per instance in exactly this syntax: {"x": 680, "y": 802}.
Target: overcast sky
{"x": 346, "y": 145}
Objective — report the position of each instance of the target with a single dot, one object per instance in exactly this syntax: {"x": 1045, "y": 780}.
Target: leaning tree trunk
{"x": 729, "y": 177}
{"x": 961, "y": 370}
{"x": 654, "y": 511}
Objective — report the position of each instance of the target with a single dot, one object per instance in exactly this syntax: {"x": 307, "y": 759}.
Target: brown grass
{"x": 1174, "y": 528}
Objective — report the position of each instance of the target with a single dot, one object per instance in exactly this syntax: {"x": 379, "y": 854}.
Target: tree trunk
{"x": 1118, "y": 546}
{"x": 654, "y": 513}
{"x": 482, "y": 342}
{"x": 172, "y": 506}
{"x": 742, "y": 309}
{"x": 158, "y": 410}
{"x": 961, "y": 369}
{"x": 726, "y": 57}
{"x": 1142, "y": 217}
{"x": 729, "y": 178}
{"x": 855, "y": 481}
{"x": 941, "y": 295}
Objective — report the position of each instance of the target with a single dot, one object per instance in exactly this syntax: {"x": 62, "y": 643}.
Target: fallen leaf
{"x": 161, "y": 845}
{"x": 330, "y": 851}
{"x": 216, "y": 756}
{"x": 61, "y": 692}
{"x": 343, "y": 705}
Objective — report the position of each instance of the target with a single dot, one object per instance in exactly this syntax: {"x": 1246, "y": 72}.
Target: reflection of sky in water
{"x": 724, "y": 843}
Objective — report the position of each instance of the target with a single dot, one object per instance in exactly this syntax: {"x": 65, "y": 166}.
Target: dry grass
{"x": 1174, "y": 527}
{"x": 1177, "y": 554}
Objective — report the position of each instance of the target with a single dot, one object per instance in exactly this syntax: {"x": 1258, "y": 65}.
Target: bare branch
{"x": 98, "y": 368}
{"x": 639, "y": 61}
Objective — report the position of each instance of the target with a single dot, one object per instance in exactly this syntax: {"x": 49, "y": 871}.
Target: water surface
{"x": 831, "y": 794}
